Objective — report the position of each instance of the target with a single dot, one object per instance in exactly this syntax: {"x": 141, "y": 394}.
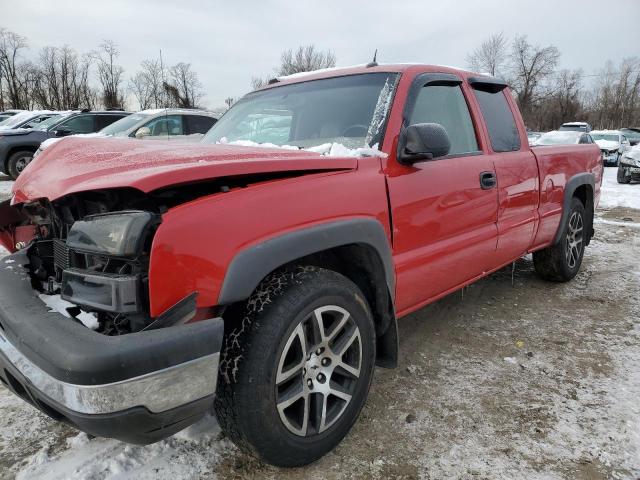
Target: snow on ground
{"x": 5, "y": 187}
{"x": 615, "y": 194}
{"x": 503, "y": 382}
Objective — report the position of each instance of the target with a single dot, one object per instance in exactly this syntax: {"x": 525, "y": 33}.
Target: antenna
{"x": 373, "y": 63}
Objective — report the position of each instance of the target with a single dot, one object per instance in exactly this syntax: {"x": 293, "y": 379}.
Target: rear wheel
{"x": 623, "y": 176}
{"x": 561, "y": 262}
{"x": 296, "y": 366}
{"x": 17, "y": 163}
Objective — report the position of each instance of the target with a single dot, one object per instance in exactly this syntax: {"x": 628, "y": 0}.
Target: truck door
{"x": 444, "y": 210}
{"x": 516, "y": 168}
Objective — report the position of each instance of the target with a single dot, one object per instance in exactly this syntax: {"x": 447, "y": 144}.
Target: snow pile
{"x": 327, "y": 149}
{"x": 5, "y": 188}
{"x": 614, "y": 194}
{"x": 57, "y": 304}
{"x": 188, "y": 454}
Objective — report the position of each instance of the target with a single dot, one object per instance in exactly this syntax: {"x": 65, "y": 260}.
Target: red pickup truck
{"x": 262, "y": 274}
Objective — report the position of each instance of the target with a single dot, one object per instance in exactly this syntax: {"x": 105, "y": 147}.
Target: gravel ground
{"x": 512, "y": 378}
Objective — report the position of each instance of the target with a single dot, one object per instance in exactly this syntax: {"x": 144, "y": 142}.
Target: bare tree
{"x": 62, "y": 79}
{"x": 257, "y": 82}
{"x": 184, "y": 87}
{"x": 11, "y": 46}
{"x": 141, "y": 90}
{"x": 110, "y": 75}
{"x": 229, "y": 101}
{"x": 531, "y": 65}
{"x": 305, "y": 59}
{"x": 491, "y": 56}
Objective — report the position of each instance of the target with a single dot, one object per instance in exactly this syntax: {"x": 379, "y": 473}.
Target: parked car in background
{"x": 575, "y": 126}
{"x": 568, "y": 137}
{"x": 612, "y": 143}
{"x": 629, "y": 166}
{"x": 26, "y": 119}
{"x": 265, "y": 280}
{"x": 533, "y": 136}
{"x": 8, "y": 113}
{"x": 632, "y": 134}
{"x": 17, "y": 147}
{"x": 163, "y": 124}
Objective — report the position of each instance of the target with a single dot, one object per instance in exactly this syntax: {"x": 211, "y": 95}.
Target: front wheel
{"x": 18, "y": 162}
{"x": 561, "y": 262}
{"x": 296, "y": 366}
{"x": 623, "y": 177}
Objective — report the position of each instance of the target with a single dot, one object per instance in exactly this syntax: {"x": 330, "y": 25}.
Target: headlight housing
{"x": 120, "y": 234}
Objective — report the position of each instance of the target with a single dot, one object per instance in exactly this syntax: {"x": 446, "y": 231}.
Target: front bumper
{"x": 138, "y": 388}
{"x": 610, "y": 158}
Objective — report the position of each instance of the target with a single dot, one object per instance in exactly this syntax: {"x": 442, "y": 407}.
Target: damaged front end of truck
{"x": 98, "y": 360}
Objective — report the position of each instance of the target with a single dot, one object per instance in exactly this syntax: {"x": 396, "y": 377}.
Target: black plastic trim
{"x": 250, "y": 266}
{"x": 68, "y": 351}
{"x": 569, "y": 189}
{"x": 491, "y": 84}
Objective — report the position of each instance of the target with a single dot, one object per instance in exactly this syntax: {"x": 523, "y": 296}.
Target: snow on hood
{"x": 77, "y": 164}
{"x": 607, "y": 144}
{"x": 326, "y": 149}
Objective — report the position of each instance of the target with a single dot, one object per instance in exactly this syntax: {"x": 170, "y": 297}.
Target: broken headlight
{"x": 120, "y": 234}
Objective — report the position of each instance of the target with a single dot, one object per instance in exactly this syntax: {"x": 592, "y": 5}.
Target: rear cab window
{"x": 498, "y": 117}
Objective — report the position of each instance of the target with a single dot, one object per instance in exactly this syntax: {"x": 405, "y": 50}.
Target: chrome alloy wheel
{"x": 574, "y": 243}
{"x": 318, "y": 371}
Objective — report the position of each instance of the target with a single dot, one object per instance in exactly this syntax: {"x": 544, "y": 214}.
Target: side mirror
{"x": 63, "y": 132}
{"x": 423, "y": 141}
{"x": 143, "y": 132}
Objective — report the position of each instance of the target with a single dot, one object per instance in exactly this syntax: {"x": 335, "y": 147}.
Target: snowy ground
{"x": 5, "y": 187}
{"x": 518, "y": 378}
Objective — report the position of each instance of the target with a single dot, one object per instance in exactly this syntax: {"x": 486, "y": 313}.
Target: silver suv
{"x": 163, "y": 124}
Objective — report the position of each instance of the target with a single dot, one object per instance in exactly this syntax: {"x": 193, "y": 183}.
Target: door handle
{"x": 488, "y": 180}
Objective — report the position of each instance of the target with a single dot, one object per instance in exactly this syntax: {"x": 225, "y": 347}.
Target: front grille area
{"x": 61, "y": 254}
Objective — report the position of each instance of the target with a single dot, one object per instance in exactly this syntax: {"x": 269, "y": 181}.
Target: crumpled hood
{"x": 77, "y": 164}
{"x": 608, "y": 144}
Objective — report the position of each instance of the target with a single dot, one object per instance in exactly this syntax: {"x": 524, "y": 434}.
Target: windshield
{"x": 605, "y": 136}
{"x": 349, "y": 110}
{"x": 42, "y": 126}
{"x": 124, "y": 124}
{"x": 558, "y": 138}
{"x": 16, "y": 119}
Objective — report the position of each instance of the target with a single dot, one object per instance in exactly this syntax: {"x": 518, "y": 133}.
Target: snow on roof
{"x": 605, "y": 132}
{"x": 314, "y": 72}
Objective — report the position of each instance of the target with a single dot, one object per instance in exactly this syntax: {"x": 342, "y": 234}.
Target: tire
{"x": 622, "y": 175}
{"x": 17, "y": 163}
{"x": 263, "y": 345}
{"x": 561, "y": 262}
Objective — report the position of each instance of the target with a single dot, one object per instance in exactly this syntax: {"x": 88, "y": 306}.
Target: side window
{"x": 584, "y": 139}
{"x": 199, "y": 123}
{"x": 166, "y": 126}
{"x": 446, "y": 105}
{"x": 498, "y": 116}
{"x": 78, "y": 124}
{"x": 106, "y": 120}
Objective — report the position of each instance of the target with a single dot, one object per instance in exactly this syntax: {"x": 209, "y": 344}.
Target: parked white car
{"x": 613, "y": 145}
{"x": 163, "y": 124}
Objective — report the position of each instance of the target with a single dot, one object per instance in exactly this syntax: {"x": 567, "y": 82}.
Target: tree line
{"x": 548, "y": 96}
{"x": 61, "y": 78}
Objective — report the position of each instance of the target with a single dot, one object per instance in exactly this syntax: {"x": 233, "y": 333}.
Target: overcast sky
{"x": 229, "y": 42}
